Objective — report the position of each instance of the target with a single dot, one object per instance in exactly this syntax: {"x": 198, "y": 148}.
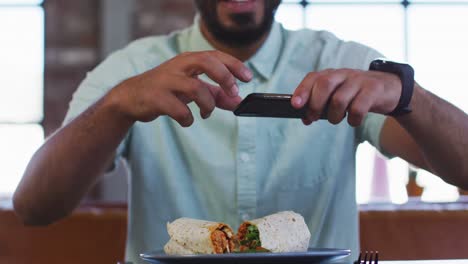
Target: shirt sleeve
{"x": 370, "y": 130}
{"x": 371, "y": 127}
{"x": 116, "y": 68}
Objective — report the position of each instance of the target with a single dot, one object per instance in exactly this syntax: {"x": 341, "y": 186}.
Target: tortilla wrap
{"x": 174, "y": 248}
{"x": 281, "y": 232}
{"x": 194, "y": 236}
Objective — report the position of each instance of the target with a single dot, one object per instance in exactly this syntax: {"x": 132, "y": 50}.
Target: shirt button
{"x": 245, "y": 216}
{"x": 245, "y": 157}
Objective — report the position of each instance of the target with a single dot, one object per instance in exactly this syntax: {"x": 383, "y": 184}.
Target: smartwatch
{"x": 406, "y": 74}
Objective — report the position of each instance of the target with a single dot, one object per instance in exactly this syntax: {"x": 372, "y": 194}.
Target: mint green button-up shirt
{"x": 229, "y": 168}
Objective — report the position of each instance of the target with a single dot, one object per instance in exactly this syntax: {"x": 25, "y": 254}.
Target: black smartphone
{"x": 271, "y": 105}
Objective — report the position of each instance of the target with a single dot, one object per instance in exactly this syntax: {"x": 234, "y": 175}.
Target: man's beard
{"x": 248, "y": 33}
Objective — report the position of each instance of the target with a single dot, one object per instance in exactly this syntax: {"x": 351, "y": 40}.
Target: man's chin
{"x": 236, "y": 29}
{"x": 243, "y": 21}
{"x": 240, "y": 31}
{"x": 238, "y": 39}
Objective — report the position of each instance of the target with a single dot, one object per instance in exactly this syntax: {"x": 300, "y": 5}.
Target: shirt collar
{"x": 266, "y": 58}
{"x": 263, "y": 61}
{"x": 197, "y": 41}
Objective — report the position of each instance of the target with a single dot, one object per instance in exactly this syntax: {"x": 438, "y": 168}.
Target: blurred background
{"x": 48, "y": 46}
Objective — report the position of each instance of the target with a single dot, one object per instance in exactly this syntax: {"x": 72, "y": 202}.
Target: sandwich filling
{"x": 221, "y": 239}
{"x": 249, "y": 239}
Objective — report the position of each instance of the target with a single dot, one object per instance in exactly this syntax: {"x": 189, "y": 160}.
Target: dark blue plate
{"x": 313, "y": 255}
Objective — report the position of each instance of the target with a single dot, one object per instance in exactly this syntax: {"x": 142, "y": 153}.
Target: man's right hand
{"x": 169, "y": 87}
{"x": 68, "y": 164}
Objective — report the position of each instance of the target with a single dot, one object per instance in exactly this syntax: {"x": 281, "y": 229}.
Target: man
{"x": 220, "y": 167}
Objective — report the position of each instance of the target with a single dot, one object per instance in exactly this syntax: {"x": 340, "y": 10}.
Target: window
{"x": 429, "y": 34}
{"x": 21, "y": 87}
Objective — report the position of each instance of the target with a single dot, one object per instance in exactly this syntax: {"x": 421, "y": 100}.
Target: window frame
{"x": 405, "y": 4}
{"x": 19, "y": 156}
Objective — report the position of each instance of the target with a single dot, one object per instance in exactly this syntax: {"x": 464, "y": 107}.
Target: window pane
{"x": 291, "y": 16}
{"x": 21, "y": 64}
{"x": 364, "y": 171}
{"x": 20, "y": 2}
{"x": 378, "y": 26}
{"x": 398, "y": 178}
{"x": 439, "y": 1}
{"x": 438, "y": 52}
{"x": 336, "y": 2}
{"x": 353, "y": 1}
{"x": 18, "y": 143}
{"x": 435, "y": 189}
{"x": 396, "y": 173}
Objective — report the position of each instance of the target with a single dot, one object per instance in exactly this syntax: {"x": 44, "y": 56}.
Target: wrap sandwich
{"x": 193, "y": 236}
{"x": 281, "y": 232}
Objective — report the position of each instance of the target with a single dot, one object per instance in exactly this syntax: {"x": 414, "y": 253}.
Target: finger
{"x": 323, "y": 87}
{"x": 306, "y": 121}
{"x": 234, "y": 65}
{"x": 302, "y": 93}
{"x": 177, "y": 110}
{"x": 219, "y": 73}
{"x": 360, "y": 106}
{"x": 341, "y": 99}
{"x": 222, "y": 100}
{"x": 203, "y": 98}
{"x": 221, "y": 68}
{"x": 193, "y": 89}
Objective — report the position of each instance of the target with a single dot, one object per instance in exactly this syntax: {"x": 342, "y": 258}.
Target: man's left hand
{"x": 350, "y": 91}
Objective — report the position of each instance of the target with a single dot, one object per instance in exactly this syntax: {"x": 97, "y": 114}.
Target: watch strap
{"x": 406, "y": 74}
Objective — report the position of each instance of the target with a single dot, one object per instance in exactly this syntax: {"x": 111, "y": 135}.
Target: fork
{"x": 369, "y": 258}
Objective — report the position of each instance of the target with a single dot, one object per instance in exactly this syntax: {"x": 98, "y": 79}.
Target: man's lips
{"x": 238, "y": 6}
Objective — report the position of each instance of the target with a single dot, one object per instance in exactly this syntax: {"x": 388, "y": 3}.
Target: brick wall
{"x": 72, "y": 34}
{"x": 73, "y": 42}
{"x": 155, "y": 17}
